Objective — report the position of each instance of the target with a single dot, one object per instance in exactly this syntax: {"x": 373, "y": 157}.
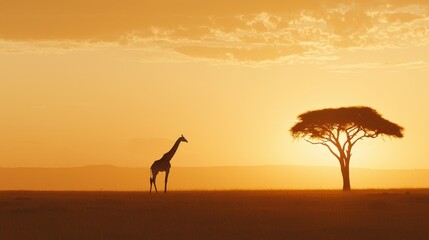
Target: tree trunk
{"x": 346, "y": 178}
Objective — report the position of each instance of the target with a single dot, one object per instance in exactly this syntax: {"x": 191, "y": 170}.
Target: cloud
{"x": 237, "y": 31}
{"x": 51, "y": 46}
{"x": 401, "y": 17}
{"x": 392, "y": 66}
{"x": 261, "y": 53}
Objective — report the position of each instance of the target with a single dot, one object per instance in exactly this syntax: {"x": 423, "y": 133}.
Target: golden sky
{"x": 116, "y": 82}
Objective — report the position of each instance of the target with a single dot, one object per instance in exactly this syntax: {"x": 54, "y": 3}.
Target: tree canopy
{"x": 339, "y": 129}
{"x": 319, "y": 123}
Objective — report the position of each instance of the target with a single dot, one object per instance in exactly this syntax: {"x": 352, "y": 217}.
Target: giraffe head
{"x": 183, "y": 139}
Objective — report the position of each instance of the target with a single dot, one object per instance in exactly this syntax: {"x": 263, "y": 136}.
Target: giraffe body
{"x": 164, "y": 165}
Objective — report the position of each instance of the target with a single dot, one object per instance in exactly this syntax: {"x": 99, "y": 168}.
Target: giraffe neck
{"x": 169, "y": 155}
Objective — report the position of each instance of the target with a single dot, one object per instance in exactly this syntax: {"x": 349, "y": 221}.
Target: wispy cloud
{"x": 391, "y": 66}
{"x": 237, "y": 31}
{"x": 51, "y": 46}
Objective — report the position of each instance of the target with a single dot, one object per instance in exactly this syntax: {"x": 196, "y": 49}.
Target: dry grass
{"x": 362, "y": 214}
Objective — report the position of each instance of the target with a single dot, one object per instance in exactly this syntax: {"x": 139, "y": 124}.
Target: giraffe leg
{"x": 166, "y": 179}
{"x": 151, "y": 181}
{"x": 154, "y": 181}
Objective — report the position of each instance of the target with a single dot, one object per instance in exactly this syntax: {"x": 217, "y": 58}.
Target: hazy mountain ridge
{"x": 108, "y": 177}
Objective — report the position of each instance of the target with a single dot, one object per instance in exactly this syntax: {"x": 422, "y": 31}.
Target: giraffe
{"x": 163, "y": 164}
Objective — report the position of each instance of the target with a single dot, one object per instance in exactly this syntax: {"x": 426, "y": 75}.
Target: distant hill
{"x": 206, "y": 178}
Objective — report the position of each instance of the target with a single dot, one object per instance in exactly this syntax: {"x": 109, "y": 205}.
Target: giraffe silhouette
{"x": 163, "y": 164}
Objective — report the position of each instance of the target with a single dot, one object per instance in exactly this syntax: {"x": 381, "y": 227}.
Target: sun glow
{"x": 84, "y": 85}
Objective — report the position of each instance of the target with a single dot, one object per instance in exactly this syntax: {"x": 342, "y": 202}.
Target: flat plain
{"x": 283, "y": 214}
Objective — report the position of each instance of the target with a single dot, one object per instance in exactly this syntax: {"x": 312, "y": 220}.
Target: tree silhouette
{"x": 339, "y": 129}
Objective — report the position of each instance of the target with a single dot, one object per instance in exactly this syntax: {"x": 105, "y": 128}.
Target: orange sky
{"x": 116, "y": 82}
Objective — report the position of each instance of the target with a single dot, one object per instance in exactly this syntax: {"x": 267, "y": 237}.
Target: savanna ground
{"x": 289, "y": 214}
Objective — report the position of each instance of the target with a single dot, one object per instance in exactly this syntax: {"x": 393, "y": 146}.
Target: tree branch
{"x": 324, "y": 143}
{"x": 338, "y": 133}
{"x": 355, "y": 133}
{"x": 365, "y": 135}
{"x": 327, "y": 131}
{"x": 350, "y": 129}
{"x": 332, "y": 151}
{"x": 347, "y": 140}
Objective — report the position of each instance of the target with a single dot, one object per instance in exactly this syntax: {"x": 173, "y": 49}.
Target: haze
{"x": 117, "y": 82}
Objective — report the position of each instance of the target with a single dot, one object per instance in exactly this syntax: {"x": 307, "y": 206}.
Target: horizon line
{"x": 217, "y": 166}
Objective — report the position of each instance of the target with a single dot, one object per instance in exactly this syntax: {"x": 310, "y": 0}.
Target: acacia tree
{"x": 339, "y": 129}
